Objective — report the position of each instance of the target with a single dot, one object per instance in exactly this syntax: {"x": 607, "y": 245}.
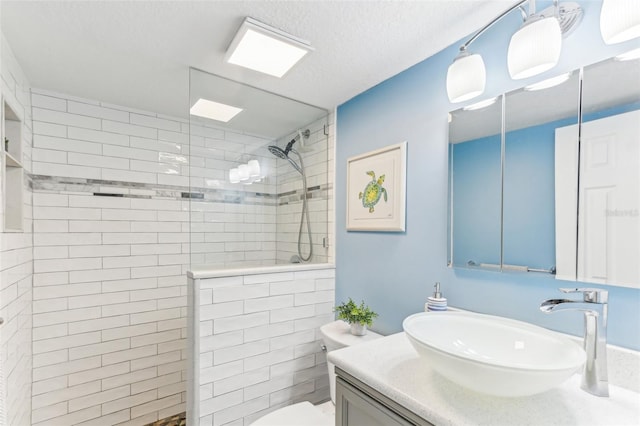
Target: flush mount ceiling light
{"x": 533, "y": 49}
{"x": 262, "y": 48}
{"x": 214, "y": 110}
{"x": 620, "y": 20}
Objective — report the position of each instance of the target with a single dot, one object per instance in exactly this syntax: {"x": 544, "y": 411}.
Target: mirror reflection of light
{"x": 234, "y": 175}
{"x": 481, "y": 104}
{"x": 166, "y": 157}
{"x": 458, "y": 343}
{"x": 550, "y": 82}
{"x": 469, "y": 351}
{"x": 629, "y": 56}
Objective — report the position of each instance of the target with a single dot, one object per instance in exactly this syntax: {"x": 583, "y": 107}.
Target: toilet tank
{"x": 337, "y": 335}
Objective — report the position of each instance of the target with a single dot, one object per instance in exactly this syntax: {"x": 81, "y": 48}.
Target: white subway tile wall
{"x": 16, "y": 263}
{"x": 258, "y": 343}
{"x": 109, "y": 310}
{"x": 113, "y": 236}
{"x": 263, "y": 229}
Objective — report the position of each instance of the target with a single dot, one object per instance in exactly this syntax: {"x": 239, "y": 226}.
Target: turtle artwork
{"x": 373, "y": 191}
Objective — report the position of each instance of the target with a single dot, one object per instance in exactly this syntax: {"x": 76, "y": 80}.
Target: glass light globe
{"x": 534, "y": 48}
{"x": 466, "y": 77}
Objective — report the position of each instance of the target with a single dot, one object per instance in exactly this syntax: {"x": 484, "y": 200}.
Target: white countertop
{"x": 391, "y": 366}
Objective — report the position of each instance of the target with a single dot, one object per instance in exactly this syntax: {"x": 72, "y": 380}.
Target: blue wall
{"x": 477, "y": 180}
{"x": 529, "y": 195}
{"x": 394, "y": 272}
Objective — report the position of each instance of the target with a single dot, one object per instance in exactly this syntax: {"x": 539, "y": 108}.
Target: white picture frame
{"x": 376, "y": 190}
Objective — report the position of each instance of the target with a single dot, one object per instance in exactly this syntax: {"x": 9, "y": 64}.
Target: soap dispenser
{"x": 436, "y": 303}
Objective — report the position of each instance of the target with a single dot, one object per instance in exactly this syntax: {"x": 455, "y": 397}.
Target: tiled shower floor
{"x": 177, "y": 420}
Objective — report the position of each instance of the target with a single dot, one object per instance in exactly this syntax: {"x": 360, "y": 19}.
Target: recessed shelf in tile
{"x": 13, "y": 174}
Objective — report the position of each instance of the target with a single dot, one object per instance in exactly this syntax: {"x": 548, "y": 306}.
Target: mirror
{"x": 475, "y": 185}
{"x": 563, "y": 204}
{"x": 533, "y": 116}
{"x": 608, "y": 196}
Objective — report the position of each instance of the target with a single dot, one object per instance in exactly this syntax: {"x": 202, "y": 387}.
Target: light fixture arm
{"x": 496, "y": 19}
{"x": 523, "y": 12}
{"x": 533, "y": 49}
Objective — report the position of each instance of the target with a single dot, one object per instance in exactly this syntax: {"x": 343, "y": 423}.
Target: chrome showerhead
{"x": 278, "y": 152}
{"x": 284, "y": 153}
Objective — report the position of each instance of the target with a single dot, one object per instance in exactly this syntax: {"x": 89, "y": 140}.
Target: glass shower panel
{"x": 247, "y": 177}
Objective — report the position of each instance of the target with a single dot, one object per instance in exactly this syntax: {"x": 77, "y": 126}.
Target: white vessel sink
{"x": 493, "y": 355}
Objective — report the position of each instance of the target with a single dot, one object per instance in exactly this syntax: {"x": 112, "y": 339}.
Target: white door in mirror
{"x": 609, "y": 213}
{"x": 608, "y": 228}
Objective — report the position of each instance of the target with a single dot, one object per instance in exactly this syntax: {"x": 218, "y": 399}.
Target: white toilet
{"x": 335, "y": 335}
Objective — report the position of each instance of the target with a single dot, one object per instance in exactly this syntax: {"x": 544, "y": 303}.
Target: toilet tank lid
{"x": 338, "y": 333}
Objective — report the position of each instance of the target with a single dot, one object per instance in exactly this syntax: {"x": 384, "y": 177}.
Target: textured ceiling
{"x": 137, "y": 53}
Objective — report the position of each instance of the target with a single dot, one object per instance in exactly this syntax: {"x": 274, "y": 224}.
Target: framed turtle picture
{"x": 376, "y": 190}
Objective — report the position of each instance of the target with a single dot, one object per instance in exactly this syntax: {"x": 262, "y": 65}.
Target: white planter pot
{"x": 358, "y": 329}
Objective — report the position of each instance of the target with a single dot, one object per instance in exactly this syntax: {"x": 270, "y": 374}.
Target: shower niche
{"x": 259, "y": 181}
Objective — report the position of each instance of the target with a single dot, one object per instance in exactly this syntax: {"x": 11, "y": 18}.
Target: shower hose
{"x": 304, "y": 215}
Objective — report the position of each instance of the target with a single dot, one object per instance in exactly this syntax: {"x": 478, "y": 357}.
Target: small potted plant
{"x": 360, "y": 317}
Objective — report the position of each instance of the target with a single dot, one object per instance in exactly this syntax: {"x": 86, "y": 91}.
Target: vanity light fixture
{"x": 619, "y": 20}
{"x": 533, "y": 49}
{"x": 234, "y": 175}
{"x": 243, "y": 172}
{"x": 214, "y": 110}
{"x": 548, "y": 83}
{"x": 246, "y": 173}
{"x": 254, "y": 169}
{"x": 481, "y": 104}
{"x": 266, "y": 49}
{"x": 466, "y": 77}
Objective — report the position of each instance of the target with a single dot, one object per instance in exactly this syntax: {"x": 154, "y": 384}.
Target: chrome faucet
{"x": 594, "y": 304}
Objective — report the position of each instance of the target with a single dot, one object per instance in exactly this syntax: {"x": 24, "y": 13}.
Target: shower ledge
{"x": 203, "y": 272}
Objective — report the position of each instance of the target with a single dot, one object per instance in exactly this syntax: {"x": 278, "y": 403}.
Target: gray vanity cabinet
{"x": 358, "y": 404}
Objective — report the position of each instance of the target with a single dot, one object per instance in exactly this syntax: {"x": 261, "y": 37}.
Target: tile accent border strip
{"x": 112, "y": 188}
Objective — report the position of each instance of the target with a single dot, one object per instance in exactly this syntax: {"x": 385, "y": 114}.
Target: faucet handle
{"x": 591, "y": 295}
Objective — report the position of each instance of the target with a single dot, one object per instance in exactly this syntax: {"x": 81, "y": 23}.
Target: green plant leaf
{"x": 352, "y": 313}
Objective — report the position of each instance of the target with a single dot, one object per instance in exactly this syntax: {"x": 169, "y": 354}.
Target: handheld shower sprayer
{"x": 284, "y": 155}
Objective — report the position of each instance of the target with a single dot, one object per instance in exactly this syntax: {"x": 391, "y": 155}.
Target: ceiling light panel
{"x": 214, "y": 110}
{"x": 262, "y": 48}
